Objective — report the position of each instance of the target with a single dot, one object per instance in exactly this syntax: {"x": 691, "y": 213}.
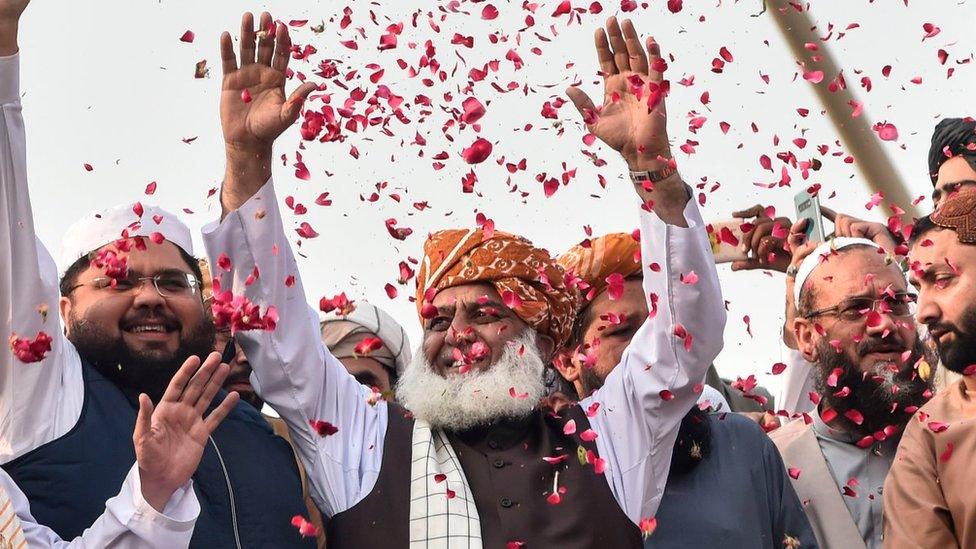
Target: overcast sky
{"x": 110, "y": 84}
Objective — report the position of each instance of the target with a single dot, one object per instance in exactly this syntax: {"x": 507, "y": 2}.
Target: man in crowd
{"x": 715, "y": 454}
{"x": 494, "y": 310}
{"x": 854, "y": 325}
{"x": 952, "y": 157}
{"x": 133, "y": 313}
{"x": 927, "y": 497}
{"x": 148, "y": 513}
{"x": 372, "y": 346}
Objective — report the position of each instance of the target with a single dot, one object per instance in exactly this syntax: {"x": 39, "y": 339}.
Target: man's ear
{"x": 805, "y": 332}
{"x": 546, "y": 345}
{"x": 64, "y": 308}
{"x": 567, "y": 366}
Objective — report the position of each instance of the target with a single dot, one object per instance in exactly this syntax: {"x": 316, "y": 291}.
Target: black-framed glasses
{"x": 857, "y": 308}
{"x": 174, "y": 284}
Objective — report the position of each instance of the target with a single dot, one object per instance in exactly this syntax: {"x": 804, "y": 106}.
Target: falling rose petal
{"x": 615, "y": 286}
{"x": 305, "y": 528}
{"x": 570, "y": 427}
{"x": 511, "y": 299}
{"x": 473, "y": 111}
{"x": 391, "y": 291}
{"x": 563, "y": 8}
{"x": 553, "y": 498}
{"x": 151, "y": 188}
{"x": 187, "y": 37}
{"x": 930, "y": 30}
{"x": 323, "y": 428}
{"x": 690, "y": 279}
{"x": 666, "y": 395}
{"x": 944, "y": 457}
{"x": 157, "y": 238}
{"x": 814, "y": 77}
{"x": 556, "y": 460}
{"x": 30, "y": 350}
{"x": 591, "y": 411}
{"x": 674, "y": 6}
{"x": 588, "y": 435}
{"x": 874, "y": 319}
{"x": 246, "y": 96}
{"x": 489, "y": 12}
{"x": 865, "y": 442}
{"x": 368, "y": 345}
{"x": 306, "y": 231}
{"x": 514, "y": 394}
{"x": 88, "y": 167}
{"x": 477, "y": 152}
{"x": 937, "y": 426}
{"x": 855, "y": 416}
{"x": 794, "y": 473}
{"x": 647, "y": 526}
{"x": 886, "y": 131}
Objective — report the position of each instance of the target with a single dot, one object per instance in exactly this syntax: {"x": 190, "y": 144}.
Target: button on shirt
{"x": 868, "y": 466}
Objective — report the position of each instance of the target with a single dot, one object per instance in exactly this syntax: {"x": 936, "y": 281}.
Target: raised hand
{"x": 169, "y": 438}
{"x": 632, "y": 119}
{"x": 253, "y": 108}
{"x": 10, "y": 12}
{"x": 847, "y": 225}
{"x": 767, "y": 248}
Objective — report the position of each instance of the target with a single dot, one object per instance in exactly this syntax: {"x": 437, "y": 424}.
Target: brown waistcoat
{"x": 511, "y": 483}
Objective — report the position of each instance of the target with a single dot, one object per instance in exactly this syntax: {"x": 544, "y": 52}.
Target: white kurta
{"x": 42, "y": 401}
{"x": 298, "y": 376}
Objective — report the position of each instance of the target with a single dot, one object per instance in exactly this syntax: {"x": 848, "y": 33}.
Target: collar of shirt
{"x": 824, "y": 431}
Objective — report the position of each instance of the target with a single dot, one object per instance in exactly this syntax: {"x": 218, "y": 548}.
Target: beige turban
{"x": 342, "y": 334}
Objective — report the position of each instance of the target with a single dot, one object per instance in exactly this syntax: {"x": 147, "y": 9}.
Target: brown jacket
{"x": 928, "y": 496}
{"x": 815, "y": 486}
{"x": 314, "y": 516}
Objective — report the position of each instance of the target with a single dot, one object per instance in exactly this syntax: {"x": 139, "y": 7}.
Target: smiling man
{"x": 476, "y": 463}
{"x": 928, "y": 495}
{"x": 854, "y": 324}
{"x": 132, "y": 311}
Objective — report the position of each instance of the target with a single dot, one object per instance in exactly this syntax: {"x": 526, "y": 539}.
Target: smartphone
{"x": 725, "y": 238}
{"x": 808, "y": 207}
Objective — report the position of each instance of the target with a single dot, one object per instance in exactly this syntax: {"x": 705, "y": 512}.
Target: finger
{"x": 213, "y": 385}
{"x": 247, "y": 39}
{"x": 582, "y": 101}
{"x": 293, "y": 106}
{"x": 635, "y": 52}
{"x": 745, "y": 265}
{"x": 220, "y": 412}
{"x": 758, "y": 234}
{"x": 227, "y": 53}
{"x": 831, "y": 215}
{"x": 266, "y": 39}
{"x": 766, "y": 245}
{"x": 653, "y": 54}
{"x": 282, "y": 49}
{"x": 180, "y": 379}
{"x": 754, "y": 211}
{"x": 619, "y": 45}
{"x": 603, "y": 53}
{"x": 799, "y": 226}
{"x": 196, "y": 385}
{"x": 144, "y": 419}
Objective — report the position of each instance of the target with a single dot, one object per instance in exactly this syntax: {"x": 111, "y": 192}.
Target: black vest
{"x": 510, "y": 482}
{"x": 247, "y": 481}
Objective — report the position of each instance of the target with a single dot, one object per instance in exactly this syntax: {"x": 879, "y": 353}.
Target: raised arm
{"x": 40, "y": 373}
{"x": 293, "y": 371}
{"x": 156, "y": 507}
{"x": 645, "y": 397}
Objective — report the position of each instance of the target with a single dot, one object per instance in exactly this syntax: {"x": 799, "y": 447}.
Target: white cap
{"x": 374, "y": 320}
{"x": 104, "y": 227}
{"x": 812, "y": 261}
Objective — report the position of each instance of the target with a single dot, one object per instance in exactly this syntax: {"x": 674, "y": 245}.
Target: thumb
{"x": 582, "y": 101}
{"x": 296, "y": 100}
{"x": 144, "y": 419}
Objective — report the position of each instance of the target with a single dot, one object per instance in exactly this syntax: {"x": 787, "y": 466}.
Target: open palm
{"x": 632, "y": 119}
{"x": 253, "y": 107}
{"x": 169, "y": 438}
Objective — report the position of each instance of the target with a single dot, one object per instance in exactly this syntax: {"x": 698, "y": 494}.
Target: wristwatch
{"x": 639, "y": 178}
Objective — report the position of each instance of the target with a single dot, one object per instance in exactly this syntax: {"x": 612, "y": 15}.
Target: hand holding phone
{"x": 808, "y": 207}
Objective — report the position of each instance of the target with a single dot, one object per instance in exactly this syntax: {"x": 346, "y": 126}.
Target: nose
{"x": 146, "y": 295}
{"x": 928, "y": 311}
{"x": 886, "y": 325}
{"x": 459, "y": 333}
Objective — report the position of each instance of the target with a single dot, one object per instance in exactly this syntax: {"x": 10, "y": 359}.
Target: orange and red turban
{"x": 528, "y": 278}
{"x": 604, "y": 256}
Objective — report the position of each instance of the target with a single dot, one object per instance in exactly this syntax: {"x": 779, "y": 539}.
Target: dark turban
{"x": 952, "y": 137}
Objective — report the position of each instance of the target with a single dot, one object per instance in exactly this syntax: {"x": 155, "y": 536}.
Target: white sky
{"x": 110, "y": 84}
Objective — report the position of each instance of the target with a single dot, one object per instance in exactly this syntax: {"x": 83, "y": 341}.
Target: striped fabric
{"x": 443, "y": 514}
{"x": 11, "y": 534}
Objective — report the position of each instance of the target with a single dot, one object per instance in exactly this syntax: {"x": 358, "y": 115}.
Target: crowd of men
{"x": 554, "y": 401}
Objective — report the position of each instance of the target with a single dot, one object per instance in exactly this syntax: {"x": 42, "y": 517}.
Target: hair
{"x": 922, "y": 227}
{"x": 584, "y": 317}
{"x": 70, "y": 277}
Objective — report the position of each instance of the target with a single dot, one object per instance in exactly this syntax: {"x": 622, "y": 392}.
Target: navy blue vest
{"x": 247, "y": 480}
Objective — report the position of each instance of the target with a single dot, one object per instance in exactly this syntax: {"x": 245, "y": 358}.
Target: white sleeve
{"x": 796, "y": 385}
{"x": 646, "y": 395}
{"x": 129, "y": 522}
{"x": 39, "y": 401}
{"x": 293, "y": 370}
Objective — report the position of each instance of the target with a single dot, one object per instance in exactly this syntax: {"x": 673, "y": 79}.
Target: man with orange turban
{"x": 467, "y": 458}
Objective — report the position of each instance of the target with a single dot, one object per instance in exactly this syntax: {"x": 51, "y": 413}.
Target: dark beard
{"x": 137, "y": 372}
{"x": 874, "y": 398}
{"x": 590, "y": 381}
{"x": 962, "y": 353}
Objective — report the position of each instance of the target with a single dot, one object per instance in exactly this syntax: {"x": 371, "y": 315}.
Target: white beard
{"x": 461, "y": 401}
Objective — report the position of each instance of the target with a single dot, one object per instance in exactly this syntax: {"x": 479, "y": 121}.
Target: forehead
{"x": 942, "y": 245}
{"x": 847, "y": 274}
{"x": 954, "y": 170}
{"x": 631, "y": 303}
{"x": 156, "y": 257}
{"x": 466, "y": 294}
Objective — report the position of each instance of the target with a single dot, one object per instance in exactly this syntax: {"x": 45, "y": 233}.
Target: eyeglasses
{"x": 857, "y": 308}
{"x": 170, "y": 285}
